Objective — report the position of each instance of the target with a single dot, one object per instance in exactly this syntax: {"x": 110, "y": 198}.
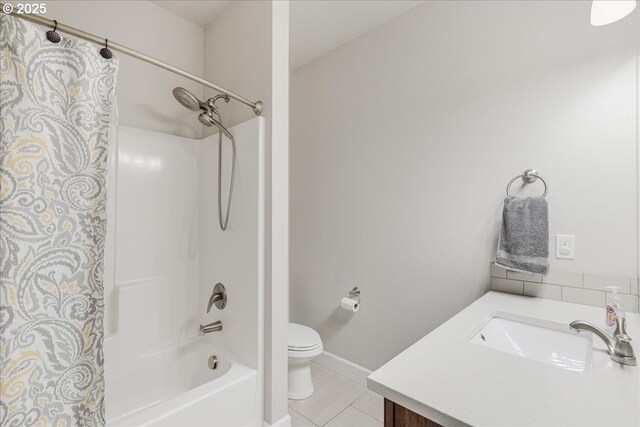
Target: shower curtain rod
{"x": 256, "y": 106}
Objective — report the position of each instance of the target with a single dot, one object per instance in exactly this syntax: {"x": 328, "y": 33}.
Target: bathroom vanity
{"x": 511, "y": 360}
{"x": 398, "y": 416}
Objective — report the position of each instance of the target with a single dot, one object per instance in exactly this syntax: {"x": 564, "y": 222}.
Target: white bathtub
{"x": 176, "y": 388}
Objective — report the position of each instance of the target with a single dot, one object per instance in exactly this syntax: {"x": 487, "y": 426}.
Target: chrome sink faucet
{"x": 219, "y": 298}
{"x": 618, "y": 345}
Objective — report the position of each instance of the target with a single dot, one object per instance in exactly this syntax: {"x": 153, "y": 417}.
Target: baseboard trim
{"x": 282, "y": 422}
{"x": 344, "y": 367}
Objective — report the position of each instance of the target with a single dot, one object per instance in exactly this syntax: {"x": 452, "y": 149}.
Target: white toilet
{"x": 304, "y": 344}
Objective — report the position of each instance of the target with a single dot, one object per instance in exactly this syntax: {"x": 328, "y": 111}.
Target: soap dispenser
{"x": 614, "y": 309}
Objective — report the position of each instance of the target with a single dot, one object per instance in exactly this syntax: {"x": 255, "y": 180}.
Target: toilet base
{"x": 300, "y": 384}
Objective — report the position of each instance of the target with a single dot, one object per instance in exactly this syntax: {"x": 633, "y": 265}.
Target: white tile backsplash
{"x": 497, "y": 271}
{"x": 507, "y": 285}
{"x": 564, "y": 278}
{"x": 583, "y": 296}
{"x": 571, "y": 286}
{"x": 600, "y": 281}
{"x": 524, "y": 276}
{"x": 542, "y": 290}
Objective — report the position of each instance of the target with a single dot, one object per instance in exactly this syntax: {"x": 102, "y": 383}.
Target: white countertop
{"x": 451, "y": 381}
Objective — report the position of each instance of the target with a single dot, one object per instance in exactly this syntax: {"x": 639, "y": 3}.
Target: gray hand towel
{"x": 523, "y": 244}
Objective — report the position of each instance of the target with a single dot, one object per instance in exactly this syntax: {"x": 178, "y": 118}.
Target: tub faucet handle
{"x": 218, "y": 297}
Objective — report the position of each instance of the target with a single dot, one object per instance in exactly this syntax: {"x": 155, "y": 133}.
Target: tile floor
{"x": 337, "y": 402}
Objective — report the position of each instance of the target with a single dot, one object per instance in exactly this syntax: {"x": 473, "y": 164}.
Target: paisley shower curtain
{"x": 56, "y": 107}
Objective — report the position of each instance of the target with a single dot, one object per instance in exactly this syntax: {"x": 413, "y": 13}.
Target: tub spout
{"x": 210, "y": 327}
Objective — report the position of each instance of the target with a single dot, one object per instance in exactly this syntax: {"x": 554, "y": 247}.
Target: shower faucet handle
{"x": 218, "y": 297}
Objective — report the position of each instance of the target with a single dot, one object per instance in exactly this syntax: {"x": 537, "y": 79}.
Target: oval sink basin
{"x": 548, "y": 344}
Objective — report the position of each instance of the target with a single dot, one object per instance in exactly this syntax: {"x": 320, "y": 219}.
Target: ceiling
{"x": 317, "y": 27}
{"x": 198, "y": 12}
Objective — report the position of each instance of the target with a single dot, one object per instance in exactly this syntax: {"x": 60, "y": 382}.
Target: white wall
{"x": 143, "y": 91}
{"x": 277, "y": 313}
{"x": 246, "y": 50}
{"x": 403, "y": 141}
{"x": 237, "y": 47}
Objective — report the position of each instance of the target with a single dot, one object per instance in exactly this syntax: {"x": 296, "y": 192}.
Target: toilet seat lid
{"x": 302, "y": 337}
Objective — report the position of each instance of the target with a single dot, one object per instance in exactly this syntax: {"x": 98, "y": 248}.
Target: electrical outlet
{"x": 565, "y": 246}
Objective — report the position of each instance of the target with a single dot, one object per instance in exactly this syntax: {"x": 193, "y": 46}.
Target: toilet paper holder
{"x": 351, "y": 302}
{"x": 355, "y": 294}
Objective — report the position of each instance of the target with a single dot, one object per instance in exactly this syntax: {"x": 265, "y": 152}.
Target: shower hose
{"x": 225, "y": 222}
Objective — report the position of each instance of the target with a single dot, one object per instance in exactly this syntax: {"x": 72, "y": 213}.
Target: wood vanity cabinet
{"x": 399, "y": 416}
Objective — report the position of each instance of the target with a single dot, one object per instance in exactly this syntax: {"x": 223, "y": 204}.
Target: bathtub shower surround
{"x": 56, "y": 106}
{"x": 170, "y": 252}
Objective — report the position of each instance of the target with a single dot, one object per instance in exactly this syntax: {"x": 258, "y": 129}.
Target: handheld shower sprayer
{"x": 206, "y": 117}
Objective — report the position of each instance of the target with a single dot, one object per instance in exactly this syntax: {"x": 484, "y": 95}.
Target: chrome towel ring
{"x": 529, "y": 176}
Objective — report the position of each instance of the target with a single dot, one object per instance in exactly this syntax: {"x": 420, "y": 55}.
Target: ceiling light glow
{"x": 605, "y": 12}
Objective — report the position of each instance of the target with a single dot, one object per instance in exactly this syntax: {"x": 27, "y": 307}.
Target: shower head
{"x": 207, "y": 119}
{"x": 188, "y": 100}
